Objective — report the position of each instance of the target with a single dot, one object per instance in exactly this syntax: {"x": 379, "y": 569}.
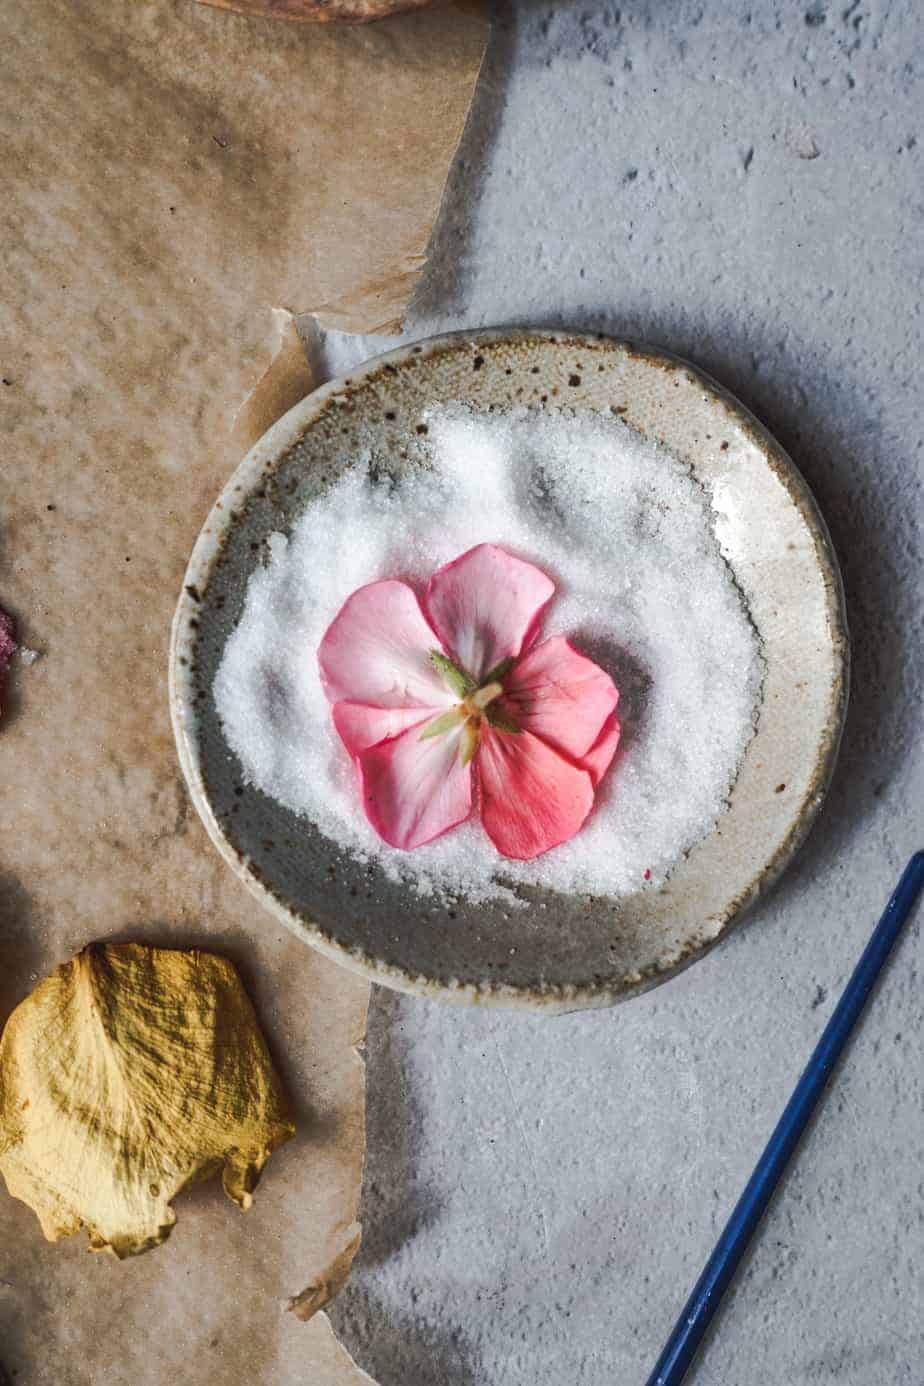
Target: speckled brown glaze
{"x": 561, "y": 952}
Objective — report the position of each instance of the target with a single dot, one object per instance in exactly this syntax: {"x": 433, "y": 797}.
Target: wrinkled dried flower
{"x": 127, "y": 1075}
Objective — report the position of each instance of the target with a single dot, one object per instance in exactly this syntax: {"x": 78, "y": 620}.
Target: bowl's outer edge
{"x": 548, "y": 999}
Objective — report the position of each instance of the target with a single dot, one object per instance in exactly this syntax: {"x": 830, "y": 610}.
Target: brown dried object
{"x": 127, "y": 1075}
{"x": 319, "y": 11}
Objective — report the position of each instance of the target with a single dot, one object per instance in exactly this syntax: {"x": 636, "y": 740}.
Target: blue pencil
{"x": 704, "y": 1300}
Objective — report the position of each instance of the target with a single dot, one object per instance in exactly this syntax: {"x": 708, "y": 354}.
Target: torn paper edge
{"x": 375, "y": 306}
{"x": 337, "y": 1366}
{"x": 334, "y": 1364}
{"x": 321, "y": 1289}
{"x": 294, "y": 371}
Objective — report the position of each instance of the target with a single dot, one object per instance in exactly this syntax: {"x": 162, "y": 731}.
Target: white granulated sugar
{"x": 626, "y": 533}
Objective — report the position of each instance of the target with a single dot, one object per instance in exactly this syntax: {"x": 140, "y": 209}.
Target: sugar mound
{"x": 627, "y": 534}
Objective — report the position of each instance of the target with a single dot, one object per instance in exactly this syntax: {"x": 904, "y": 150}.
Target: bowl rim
{"x": 546, "y": 998}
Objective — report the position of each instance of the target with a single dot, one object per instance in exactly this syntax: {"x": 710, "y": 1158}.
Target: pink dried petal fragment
{"x": 532, "y": 798}
{"x": 486, "y": 605}
{"x": 558, "y": 694}
{"x": 7, "y": 639}
{"x": 415, "y": 790}
{"x": 7, "y": 643}
{"x": 377, "y": 651}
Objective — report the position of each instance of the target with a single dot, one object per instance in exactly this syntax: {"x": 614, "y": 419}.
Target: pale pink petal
{"x": 361, "y": 726}
{"x": 377, "y": 651}
{"x": 413, "y": 790}
{"x": 532, "y": 798}
{"x": 598, "y": 758}
{"x": 486, "y": 605}
{"x": 558, "y": 694}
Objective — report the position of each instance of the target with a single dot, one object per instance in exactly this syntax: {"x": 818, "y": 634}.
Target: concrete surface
{"x": 743, "y": 184}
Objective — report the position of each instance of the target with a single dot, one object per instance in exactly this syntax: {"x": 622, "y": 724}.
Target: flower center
{"x": 474, "y": 705}
{"x": 473, "y": 709}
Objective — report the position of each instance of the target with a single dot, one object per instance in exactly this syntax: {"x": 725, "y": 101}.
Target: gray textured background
{"x": 743, "y": 184}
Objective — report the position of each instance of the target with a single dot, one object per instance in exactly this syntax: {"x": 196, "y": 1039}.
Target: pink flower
{"x": 451, "y": 699}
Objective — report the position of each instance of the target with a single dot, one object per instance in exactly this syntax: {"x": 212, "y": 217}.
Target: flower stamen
{"x": 469, "y": 740}
{"x": 479, "y": 700}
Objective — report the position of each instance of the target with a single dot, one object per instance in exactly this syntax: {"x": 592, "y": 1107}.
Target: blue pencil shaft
{"x": 703, "y": 1302}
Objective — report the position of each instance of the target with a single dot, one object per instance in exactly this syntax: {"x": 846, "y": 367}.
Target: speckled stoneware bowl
{"x": 576, "y": 951}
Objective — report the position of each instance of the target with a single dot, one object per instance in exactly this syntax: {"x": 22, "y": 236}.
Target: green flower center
{"x": 477, "y": 702}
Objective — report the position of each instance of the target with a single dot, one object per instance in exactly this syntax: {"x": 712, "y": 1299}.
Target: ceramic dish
{"x": 575, "y": 951}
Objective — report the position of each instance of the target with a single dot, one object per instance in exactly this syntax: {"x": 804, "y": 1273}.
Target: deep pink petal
{"x": 598, "y": 758}
{"x": 377, "y": 651}
{"x": 560, "y": 695}
{"x": 7, "y": 638}
{"x": 7, "y": 642}
{"x": 413, "y": 790}
{"x": 532, "y": 798}
{"x": 361, "y": 726}
{"x": 486, "y": 605}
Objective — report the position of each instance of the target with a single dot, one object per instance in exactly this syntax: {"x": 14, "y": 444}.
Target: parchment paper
{"x": 172, "y": 173}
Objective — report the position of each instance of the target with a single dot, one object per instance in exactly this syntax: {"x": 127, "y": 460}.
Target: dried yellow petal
{"x": 128, "y": 1074}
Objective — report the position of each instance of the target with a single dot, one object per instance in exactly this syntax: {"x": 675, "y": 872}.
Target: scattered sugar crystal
{"x": 627, "y": 534}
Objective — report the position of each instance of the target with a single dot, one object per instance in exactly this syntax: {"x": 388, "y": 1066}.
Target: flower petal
{"x": 532, "y": 798}
{"x": 558, "y": 694}
{"x": 7, "y": 643}
{"x": 7, "y": 639}
{"x": 598, "y": 758}
{"x": 486, "y": 606}
{"x": 361, "y": 726}
{"x": 377, "y": 651}
{"x": 414, "y": 790}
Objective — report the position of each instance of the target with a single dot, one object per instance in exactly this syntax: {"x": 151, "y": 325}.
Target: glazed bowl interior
{"x": 561, "y": 951}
